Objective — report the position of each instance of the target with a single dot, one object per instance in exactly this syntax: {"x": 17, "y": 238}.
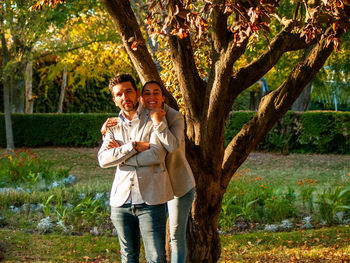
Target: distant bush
{"x": 23, "y": 169}
{"x": 35, "y": 130}
{"x": 313, "y": 131}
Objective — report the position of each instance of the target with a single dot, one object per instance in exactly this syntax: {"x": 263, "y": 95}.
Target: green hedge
{"x": 307, "y": 132}
{"x": 318, "y": 132}
{"x": 34, "y": 130}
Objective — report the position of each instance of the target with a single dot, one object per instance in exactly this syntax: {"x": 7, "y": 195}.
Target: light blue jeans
{"x": 150, "y": 221}
{"x": 178, "y": 210}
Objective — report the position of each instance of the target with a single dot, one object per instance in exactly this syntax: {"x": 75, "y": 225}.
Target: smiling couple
{"x": 147, "y": 144}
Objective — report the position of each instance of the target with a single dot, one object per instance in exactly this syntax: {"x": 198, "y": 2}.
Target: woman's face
{"x": 152, "y": 97}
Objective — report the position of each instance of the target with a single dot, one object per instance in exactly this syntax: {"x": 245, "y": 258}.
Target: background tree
{"x": 231, "y": 27}
{"x": 92, "y": 55}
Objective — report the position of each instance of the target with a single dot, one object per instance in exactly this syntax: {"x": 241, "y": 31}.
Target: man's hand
{"x": 142, "y": 146}
{"x": 111, "y": 144}
{"x": 110, "y": 122}
{"x": 157, "y": 115}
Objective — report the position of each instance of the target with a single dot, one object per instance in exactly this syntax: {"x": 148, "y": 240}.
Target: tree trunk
{"x": 29, "y": 88}
{"x": 63, "y": 89}
{"x": 303, "y": 101}
{"x": 8, "y": 124}
{"x": 6, "y": 84}
{"x": 203, "y": 240}
{"x": 17, "y": 91}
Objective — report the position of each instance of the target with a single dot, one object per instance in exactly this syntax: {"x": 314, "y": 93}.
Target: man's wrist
{"x": 134, "y": 145}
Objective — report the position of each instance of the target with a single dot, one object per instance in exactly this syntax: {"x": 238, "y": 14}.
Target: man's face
{"x": 152, "y": 97}
{"x": 125, "y": 96}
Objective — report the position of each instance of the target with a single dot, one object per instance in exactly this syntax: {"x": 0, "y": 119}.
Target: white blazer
{"x": 154, "y": 183}
{"x": 172, "y": 138}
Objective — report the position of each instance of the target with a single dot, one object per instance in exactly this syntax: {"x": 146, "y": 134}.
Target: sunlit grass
{"x": 322, "y": 245}
{"x": 274, "y": 170}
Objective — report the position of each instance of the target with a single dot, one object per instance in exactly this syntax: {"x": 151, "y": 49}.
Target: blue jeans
{"x": 147, "y": 220}
{"x": 179, "y": 209}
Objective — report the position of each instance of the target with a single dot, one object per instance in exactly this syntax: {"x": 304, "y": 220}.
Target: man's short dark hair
{"x": 153, "y": 82}
{"x": 120, "y": 78}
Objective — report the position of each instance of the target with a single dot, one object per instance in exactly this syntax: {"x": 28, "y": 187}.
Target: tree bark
{"x": 8, "y": 123}
{"x": 6, "y": 84}
{"x": 17, "y": 91}
{"x": 303, "y": 101}
{"x": 29, "y": 88}
{"x": 203, "y": 238}
{"x": 63, "y": 89}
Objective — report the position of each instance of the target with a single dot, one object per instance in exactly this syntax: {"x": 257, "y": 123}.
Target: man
{"x": 141, "y": 186}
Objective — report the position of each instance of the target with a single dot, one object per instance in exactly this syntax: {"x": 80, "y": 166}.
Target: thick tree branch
{"x": 191, "y": 85}
{"x": 217, "y": 104}
{"x": 129, "y": 30}
{"x": 272, "y": 107}
{"x": 219, "y": 26}
{"x": 283, "y": 42}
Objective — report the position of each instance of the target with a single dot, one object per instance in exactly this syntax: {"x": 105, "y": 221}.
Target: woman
{"x": 179, "y": 170}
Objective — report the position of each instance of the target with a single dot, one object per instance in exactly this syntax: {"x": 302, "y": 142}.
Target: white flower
{"x": 35, "y": 207}
{"x": 271, "y": 228}
{"x": 64, "y": 228}
{"x": 286, "y": 225}
{"x": 99, "y": 196}
{"x": 323, "y": 222}
{"x": 69, "y": 180}
{"x": 307, "y": 223}
{"x": 339, "y": 217}
{"x": 55, "y": 184}
{"x": 45, "y": 225}
{"x": 24, "y": 207}
{"x": 13, "y": 209}
{"x": 94, "y": 231}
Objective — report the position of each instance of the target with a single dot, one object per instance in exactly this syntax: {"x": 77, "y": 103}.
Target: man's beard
{"x": 131, "y": 107}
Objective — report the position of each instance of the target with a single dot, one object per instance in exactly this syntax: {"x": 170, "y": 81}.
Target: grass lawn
{"x": 276, "y": 169}
{"x": 322, "y": 245}
{"x": 19, "y": 243}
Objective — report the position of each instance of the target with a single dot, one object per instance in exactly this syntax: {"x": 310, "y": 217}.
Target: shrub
{"x": 317, "y": 132}
{"x": 24, "y": 168}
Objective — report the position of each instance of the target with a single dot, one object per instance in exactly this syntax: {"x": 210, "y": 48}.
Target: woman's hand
{"x": 110, "y": 122}
{"x": 157, "y": 115}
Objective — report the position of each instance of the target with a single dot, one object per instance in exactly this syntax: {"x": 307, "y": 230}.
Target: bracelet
{"x": 134, "y": 145}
